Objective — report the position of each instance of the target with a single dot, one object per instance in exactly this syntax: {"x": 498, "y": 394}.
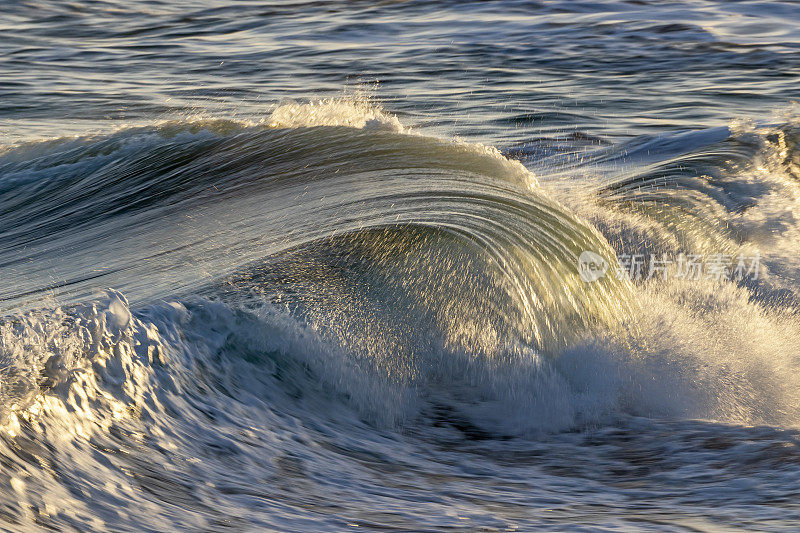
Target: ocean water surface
{"x": 401, "y": 266}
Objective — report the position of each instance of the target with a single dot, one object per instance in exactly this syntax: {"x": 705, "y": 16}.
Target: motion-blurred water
{"x": 316, "y": 266}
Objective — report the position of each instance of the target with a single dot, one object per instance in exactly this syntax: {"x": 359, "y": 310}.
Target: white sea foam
{"x": 355, "y": 113}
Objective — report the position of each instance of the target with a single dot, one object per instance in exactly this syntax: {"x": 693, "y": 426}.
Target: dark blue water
{"x": 315, "y": 266}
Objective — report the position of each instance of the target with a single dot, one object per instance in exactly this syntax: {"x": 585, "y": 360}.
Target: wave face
{"x": 188, "y": 204}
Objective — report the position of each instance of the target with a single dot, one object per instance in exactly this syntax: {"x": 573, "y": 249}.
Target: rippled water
{"x": 318, "y": 266}
{"x": 504, "y": 72}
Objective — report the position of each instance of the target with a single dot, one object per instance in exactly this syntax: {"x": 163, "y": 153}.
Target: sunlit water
{"x": 316, "y": 266}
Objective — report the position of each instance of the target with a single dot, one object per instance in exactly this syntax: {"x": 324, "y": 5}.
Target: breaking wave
{"x": 328, "y": 269}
